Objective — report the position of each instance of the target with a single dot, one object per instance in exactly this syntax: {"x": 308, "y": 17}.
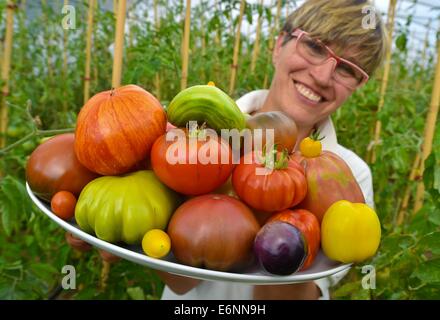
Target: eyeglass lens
{"x": 316, "y": 53}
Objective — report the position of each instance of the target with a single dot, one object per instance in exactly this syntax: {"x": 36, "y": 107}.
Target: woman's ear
{"x": 277, "y": 48}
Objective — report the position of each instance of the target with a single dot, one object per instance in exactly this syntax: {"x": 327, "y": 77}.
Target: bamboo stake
{"x": 203, "y": 42}
{"x": 6, "y": 65}
{"x": 48, "y": 39}
{"x": 66, "y": 2}
{"x": 95, "y": 63}
{"x": 429, "y": 133}
{"x": 88, "y": 50}
{"x": 119, "y": 44}
{"x": 115, "y": 8}
{"x": 202, "y": 26}
{"x": 185, "y": 46}
{"x": 271, "y": 42}
{"x": 391, "y": 16}
{"x": 157, "y": 24}
{"x": 234, "y": 66}
{"x": 256, "y": 49}
{"x": 218, "y": 33}
{"x": 414, "y": 175}
{"x": 423, "y": 58}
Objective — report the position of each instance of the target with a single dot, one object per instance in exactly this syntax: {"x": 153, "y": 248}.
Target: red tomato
{"x": 63, "y": 204}
{"x": 53, "y": 167}
{"x": 189, "y": 174}
{"x": 308, "y": 224}
{"x": 279, "y": 189}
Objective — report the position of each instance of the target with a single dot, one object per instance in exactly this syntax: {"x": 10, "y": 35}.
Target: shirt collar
{"x": 254, "y": 100}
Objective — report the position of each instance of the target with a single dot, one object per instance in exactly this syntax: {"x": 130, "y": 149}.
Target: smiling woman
{"x": 322, "y": 55}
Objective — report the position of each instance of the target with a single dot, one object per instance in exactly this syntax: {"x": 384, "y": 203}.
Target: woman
{"x": 324, "y": 52}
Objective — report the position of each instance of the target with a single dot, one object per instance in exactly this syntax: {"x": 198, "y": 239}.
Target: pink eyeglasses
{"x": 316, "y": 52}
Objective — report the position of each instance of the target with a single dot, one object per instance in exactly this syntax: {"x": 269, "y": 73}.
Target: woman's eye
{"x": 315, "y": 47}
{"x": 345, "y": 70}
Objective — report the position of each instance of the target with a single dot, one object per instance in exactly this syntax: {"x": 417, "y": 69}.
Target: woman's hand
{"x": 82, "y": 246}
{"x": 300, "y": 291}
{"x": 180, "y": 285}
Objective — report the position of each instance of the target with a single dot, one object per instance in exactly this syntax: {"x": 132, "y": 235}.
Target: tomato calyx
{"x": 273, "y": 159}
{"x": 316, "y": 135}
{"x": 195, "y": 131}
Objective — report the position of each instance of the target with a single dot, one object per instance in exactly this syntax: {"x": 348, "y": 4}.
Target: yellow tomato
{"x": 156, "y": 243}
{"x": 350, "y": 232}
{"x": 310, "y": 148}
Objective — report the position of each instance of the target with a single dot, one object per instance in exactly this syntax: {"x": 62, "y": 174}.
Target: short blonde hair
{"x": 339, "y": 23}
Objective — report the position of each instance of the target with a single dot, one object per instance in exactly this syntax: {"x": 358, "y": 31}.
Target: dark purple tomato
{"x": 53, "y": 167}
{"x": 280, "y": 248}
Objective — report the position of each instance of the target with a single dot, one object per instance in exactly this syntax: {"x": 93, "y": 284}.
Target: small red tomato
{"x": 63, "y": 204}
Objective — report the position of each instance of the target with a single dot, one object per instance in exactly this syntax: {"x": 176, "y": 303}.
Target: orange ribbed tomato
{"x": 116, "y": 129}
{"x": 281, "y": 188}
{"x": 308, "y": 224}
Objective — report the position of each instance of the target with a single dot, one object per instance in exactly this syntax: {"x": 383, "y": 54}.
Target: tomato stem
{"x": 271, "y": 160}
{"x": 196, "y": 131}
{"x": 316, "y": 135}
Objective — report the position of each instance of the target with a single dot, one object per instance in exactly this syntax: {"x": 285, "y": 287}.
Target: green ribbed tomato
{"x": 205, "y": 104}
{"x": 124, "y": 208}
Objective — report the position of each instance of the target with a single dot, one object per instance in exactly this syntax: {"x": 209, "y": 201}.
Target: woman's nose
{"x": 323, "y": 73}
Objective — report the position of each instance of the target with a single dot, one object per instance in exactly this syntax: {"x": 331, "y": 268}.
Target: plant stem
{"x": 36, "y": 133}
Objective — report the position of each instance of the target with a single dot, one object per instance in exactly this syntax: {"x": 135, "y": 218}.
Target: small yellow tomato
{"x": 156, "y": 243}
{"x": 310, "y": 148}
{"x": 350, "y": 232}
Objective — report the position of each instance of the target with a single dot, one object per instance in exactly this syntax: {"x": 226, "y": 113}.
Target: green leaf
{"x": 346, "y": 290}
{"x": 44, "y": 271}
{"x": 401, "y": 42}
{"x": 431, "y": 176}
{"x": 430, "y": 242}
{"x": 434, "y": 217}
{"x": 136, "y": 293}
{"x": 248, "y": 10}
{"x": 428, "y": 272}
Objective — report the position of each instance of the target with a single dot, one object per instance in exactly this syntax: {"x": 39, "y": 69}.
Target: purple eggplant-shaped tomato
{"x": 280, "y": 248}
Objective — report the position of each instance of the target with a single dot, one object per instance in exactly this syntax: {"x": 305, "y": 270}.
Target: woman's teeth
{"x": 304, "y": 91}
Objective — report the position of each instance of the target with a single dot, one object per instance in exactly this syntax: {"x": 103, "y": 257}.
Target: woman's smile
{"x": 307, "y": 95}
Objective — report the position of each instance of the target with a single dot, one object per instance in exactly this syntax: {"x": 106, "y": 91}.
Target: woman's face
{"x": 306, "y": 92}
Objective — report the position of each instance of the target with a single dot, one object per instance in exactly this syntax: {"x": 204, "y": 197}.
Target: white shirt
{"x": 219, "y": 290}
